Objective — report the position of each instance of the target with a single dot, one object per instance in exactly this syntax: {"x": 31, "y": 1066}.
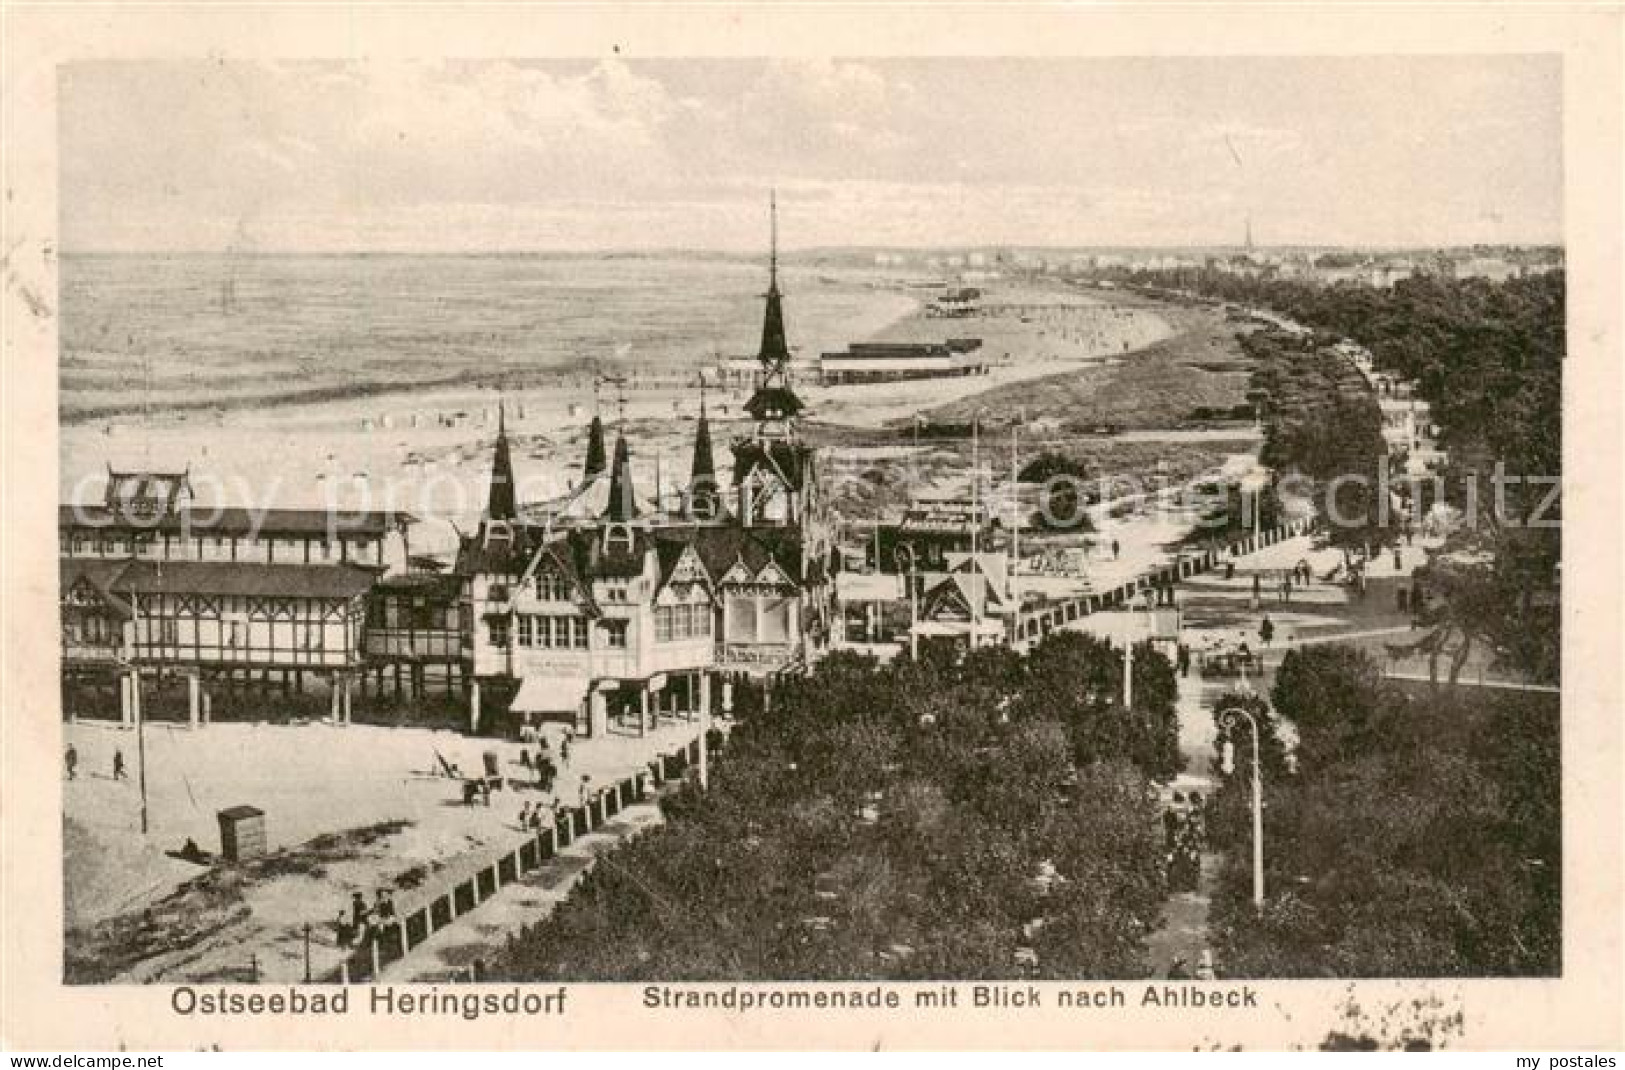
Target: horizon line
{"x": 817, "y": 250}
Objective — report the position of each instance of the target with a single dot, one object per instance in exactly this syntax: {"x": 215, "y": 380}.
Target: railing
{"x": 409, "y": 643}
{"x": 91, "y": 651}
{"x": 1038, "y": 621}
{"x": 388, "y": 944}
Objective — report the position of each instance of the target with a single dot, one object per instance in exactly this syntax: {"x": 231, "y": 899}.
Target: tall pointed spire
{"x": 775, "y": 351}
{"x": 623, "y": 505}
{"x": 704, "y": 463}
{"x": 596, "y": 459}
{"x": 773, "y": 402}
{"x": 503, "y": 503}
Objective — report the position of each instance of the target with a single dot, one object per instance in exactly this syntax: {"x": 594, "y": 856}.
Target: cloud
{"x": 504, "y": 154}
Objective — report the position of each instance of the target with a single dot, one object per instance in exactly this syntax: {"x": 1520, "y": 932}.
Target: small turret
{"x": 596, "y": 459}
{"x": 502, "y": 502}
{"x": 623, "y": 506}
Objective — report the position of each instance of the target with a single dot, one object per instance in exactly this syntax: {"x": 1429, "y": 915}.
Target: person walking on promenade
{"x": 71, "y": 760}
{"x": 118, "y": 765}
{"x": 1266, "y": 630}
{"x": 358, "y": 911}
{"x": 1117, "y": 550}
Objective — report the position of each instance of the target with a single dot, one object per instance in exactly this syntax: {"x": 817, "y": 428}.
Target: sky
{"x": 507, "y": 156}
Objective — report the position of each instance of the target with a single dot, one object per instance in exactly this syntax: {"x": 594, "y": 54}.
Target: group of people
{"x": 1184, "y": 826}
{"x": 542, "y": 765}
{"x": 361, "y": 924}
{"x": 1180, "y": 969}
{"x": 533, "y": 817}
{"x": 70, "y": 762}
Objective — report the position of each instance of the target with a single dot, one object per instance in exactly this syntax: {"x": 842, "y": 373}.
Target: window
{"x": 615, "y": 634}
{"x": 578, "y": 633}
{"x": 741, "y": 619}
{"x": 663, "y": 623}
{"x": 550, "y": 587}
{"x": 499, "y": 592}
{"x": 525, "y": 629}
{"x": 499, "y": 632}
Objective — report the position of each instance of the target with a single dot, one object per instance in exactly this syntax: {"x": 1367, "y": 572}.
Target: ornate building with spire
{"x": 604, "y": 606}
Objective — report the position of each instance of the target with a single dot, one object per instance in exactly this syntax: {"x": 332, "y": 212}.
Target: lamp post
{"x": 129, "y": 661}
{"x": 975, "y": 526}
{"x": 1229, "y": 718}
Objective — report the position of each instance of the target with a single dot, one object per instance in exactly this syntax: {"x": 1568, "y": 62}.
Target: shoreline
{"x": 426, "y": 451}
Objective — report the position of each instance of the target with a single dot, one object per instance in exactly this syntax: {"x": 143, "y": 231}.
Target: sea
{"x": 160, "y": 334}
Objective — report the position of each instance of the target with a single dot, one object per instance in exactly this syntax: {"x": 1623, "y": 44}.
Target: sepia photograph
{"x": 972, "y": 532}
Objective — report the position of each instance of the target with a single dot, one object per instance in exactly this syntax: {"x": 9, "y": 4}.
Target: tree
{"x": 1332, "y": 694}
{"x": 920, "y": 819}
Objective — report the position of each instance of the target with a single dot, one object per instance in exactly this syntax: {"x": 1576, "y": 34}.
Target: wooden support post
{"x": 193, "y": 687}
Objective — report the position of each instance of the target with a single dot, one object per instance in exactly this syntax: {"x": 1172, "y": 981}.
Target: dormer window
{"x": 618, "y": 539}
{"x": 550, "y": 587}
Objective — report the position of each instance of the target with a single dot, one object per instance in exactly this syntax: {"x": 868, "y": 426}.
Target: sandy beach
{"x": 427, "y": 451}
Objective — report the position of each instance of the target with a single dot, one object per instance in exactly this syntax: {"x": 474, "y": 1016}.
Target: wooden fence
{"x": 1039, "y": 621}
{"x": 440, "y": 908}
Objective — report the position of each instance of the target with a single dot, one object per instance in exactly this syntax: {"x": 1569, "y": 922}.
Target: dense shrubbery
{"x": 888, "y": 822}
{"x": 1323, "y": 422}
{"x": 1417, "y": 836}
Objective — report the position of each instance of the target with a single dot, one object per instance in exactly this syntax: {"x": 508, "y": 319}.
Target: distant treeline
{"x": 1488, "y": 358}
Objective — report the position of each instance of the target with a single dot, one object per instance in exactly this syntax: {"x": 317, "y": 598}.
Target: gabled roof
{"x": 721, "y": 547}
{"x": 246, "y": 578}
{"x": 227, "y": 520}
{"x": 480, "y": 553}
{"x": 774, "y": 403}
{"x": 101, "y": 574}
{"x": 968, "y": 587}
{"x": 585, "y": 504}
{"x": 442, "y": 586}
{"x": 595, "y": 557}
{"x": 672, "y": 551}
{"x": 559, "y": 554}
{"x": 146, "y": 492}
{"x": 790, "y": 461}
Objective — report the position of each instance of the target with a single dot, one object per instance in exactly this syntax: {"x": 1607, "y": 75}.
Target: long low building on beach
{"x": 889, "y": 362}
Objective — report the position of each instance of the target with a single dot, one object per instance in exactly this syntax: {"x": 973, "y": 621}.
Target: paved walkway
{"x": 1218, "y": 614}
{"x": 482, "y": 934}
